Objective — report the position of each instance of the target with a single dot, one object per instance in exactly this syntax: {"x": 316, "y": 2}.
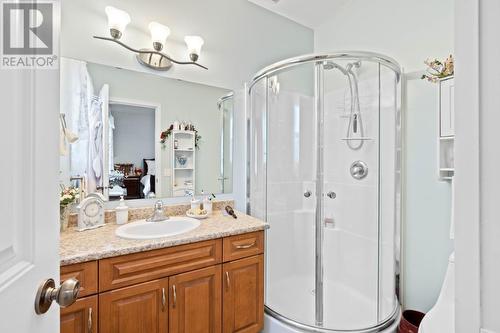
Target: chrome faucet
{"x": 158, "y": 215}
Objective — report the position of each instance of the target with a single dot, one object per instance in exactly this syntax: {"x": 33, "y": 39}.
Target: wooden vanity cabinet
{"x": 211, "y": 286}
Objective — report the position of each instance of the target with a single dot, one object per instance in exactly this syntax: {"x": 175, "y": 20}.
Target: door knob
{"x": 65, "y": 295}
{"x": 307, "y": 194}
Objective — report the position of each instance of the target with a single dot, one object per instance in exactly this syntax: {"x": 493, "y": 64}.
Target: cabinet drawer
{"x": 245, "y": 245}
{"x": 86, "y": 273}
{"x": 135, "y": 268}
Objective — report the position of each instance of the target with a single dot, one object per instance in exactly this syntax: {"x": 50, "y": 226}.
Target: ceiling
{"x": 311, "y": 13}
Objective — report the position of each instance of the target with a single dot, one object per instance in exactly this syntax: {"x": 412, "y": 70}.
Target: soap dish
{"x": 190, "y": 213}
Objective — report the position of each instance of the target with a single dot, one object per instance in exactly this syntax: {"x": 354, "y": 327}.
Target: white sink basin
{"x": 141, "y": 229}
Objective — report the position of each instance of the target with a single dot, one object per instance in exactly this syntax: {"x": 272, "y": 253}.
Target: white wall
{"x": 427, "y": 212}
{"x": 134, "y": 134}
{"x": 407, "y": 30}
{"x": 410, "y": 32}
{"x": 240, "y": 37}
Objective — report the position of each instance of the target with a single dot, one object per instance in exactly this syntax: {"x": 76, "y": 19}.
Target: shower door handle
{"x": 307, "y": 193}
{"x": 331, "y": 195}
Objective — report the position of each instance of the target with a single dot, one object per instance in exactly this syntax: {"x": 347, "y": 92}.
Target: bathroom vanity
{"x": 208, "y": 280}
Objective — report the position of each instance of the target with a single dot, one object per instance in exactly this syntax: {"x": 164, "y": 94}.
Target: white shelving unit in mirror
{"x": 183, "y": 163}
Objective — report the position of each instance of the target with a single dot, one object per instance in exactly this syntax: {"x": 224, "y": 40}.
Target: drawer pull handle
{"x": 89, "y": 322}
{"x": 228, "y": 282}
{"x": 175, "y": 295}
{"x": 246, "y": 246}
{"x": 163, "y": 299}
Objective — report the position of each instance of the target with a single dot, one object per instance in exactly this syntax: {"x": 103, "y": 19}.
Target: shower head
{"x": 355, "y": 64}
{"x": 328, "y": 65}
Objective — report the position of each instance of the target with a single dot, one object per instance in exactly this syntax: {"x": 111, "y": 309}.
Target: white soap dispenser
{"x": 195, "y": 203}
{"x": 121, "y": 212}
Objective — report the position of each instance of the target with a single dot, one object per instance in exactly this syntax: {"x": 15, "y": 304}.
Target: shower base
{"x": 274, "y": 325}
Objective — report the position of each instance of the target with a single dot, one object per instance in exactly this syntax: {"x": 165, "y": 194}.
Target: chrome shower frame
{"x": 319, "y": 60}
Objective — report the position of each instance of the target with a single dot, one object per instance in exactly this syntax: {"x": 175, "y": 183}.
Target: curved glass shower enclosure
{"x": 324, "y": 170}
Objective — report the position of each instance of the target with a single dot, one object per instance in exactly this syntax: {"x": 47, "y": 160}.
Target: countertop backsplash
{"x": 140, "y": 213}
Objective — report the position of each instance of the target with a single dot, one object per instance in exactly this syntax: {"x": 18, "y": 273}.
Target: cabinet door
{"x": 195, "y": 301}
{"x": 243, "y": 295}
{"x": 447, "y": 108}
{"x": 137, "y": 309}
{"x": 80, "y": 317}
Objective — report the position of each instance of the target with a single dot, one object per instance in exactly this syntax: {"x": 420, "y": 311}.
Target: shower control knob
{"x": 359, "y": 170}
{"x": 307, "y": 194}
{"x": 331, "y": 195}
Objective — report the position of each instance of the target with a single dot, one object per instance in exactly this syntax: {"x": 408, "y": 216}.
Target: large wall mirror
{"x": 140, "y": 135}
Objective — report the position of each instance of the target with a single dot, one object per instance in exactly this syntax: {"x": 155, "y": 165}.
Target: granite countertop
{"x": 76, "y": 247}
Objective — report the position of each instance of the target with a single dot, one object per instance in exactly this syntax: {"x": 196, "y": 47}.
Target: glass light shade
{"x": 159, "y": 32}
{"x": 117, "y": 18}
{"x": 194, "y": 44}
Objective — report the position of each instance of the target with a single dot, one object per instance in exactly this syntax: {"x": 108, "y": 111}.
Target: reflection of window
{"x": 274, "y": 84}
{"x": 116, "y": 178}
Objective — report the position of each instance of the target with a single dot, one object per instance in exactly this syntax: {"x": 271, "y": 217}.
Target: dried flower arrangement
{"x": 438, "y": 70}
{"x": 67, "y": 196}
{"x": 165, "y": 134}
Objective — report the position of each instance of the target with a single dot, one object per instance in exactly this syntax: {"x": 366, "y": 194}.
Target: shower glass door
{"x": 291, "y": 199}
{"x": 350, "y": 221}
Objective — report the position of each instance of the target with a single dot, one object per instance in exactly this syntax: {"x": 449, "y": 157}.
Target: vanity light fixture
{"x": 153, "y": 58}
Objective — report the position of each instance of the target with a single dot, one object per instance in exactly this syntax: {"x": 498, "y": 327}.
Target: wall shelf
{"x": 185, "y": 143}
{"x": 356, "y": 139}
{"x": 446, "y": 130}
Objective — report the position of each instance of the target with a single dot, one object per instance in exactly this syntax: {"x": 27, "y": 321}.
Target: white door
{"x": 29, "y": 203}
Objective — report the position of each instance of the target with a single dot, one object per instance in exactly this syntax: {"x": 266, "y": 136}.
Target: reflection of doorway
{"x": 132, "y": 149}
